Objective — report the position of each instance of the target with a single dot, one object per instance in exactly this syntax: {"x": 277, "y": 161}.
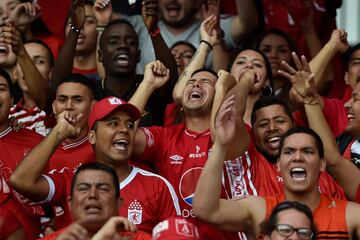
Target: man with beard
{"x": 300, "y": 163}
{"x": 270, "y": 119}
{"x": 346, "y": 173}
{"x": 179, "y": 23}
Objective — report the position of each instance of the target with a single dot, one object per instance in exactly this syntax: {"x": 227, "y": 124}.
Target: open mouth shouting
{"x": 298, "y": 174}
{"x": 173, "y": 9}
{"x": 4, "y": 49}
{"x": 123, "y": 59}
{"x": 120, "y": 144}
{"x": 195, "y": 95}
{"x": 273, "y": 141}
{"x": 350, "y": 116}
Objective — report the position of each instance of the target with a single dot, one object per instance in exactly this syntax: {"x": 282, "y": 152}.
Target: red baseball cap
{"x": 107, "y": 105}
{"x": 175, "y": 228}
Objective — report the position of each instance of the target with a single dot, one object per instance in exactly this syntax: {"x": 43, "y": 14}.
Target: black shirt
{"x": 154, "y": 109}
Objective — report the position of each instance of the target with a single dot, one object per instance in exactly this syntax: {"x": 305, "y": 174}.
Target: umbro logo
{"x": 176, "y": 159}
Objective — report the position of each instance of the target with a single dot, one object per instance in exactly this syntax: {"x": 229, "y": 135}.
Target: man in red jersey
{"x": 76, "y": 96}
{"x": 14, "y": 145}
{"x": 300, "y": 163}
{"x": 112, "y": 124}
{"x": 179, "y": 152}
{"x": 270, "y": 119}
{"x": 345, "y": 172}
{"x": 10, "y": 227}
{"x": 95, "y": 201}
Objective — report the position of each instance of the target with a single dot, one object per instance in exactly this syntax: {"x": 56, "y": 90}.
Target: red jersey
{"x": 71, "y": 156}
{"x": 268, "y": 181}
{"x": 329, "y": 216}
{"x": 148, "y": 198}
{"x": 14, "y": 145}
{"x": 276, "y": 15}
{"x": 179, "y": 155}
{"x": 33, "y": 119}
{"x": 138, "y": 235}
{"x": 335, "y": 115}
{"x": 11, "y": 224}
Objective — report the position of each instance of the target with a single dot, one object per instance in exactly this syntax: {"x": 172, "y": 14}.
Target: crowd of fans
{"x": 178, "y": 119}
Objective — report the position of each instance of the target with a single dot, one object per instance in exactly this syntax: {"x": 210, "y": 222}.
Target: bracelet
{"x": 207, "y": 43}
{"x": 313, "y": 101}
{"x": 155, "y": 32}
{"x": 75, "y": 29}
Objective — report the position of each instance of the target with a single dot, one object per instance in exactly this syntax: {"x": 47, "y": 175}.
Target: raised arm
{"x": 103, "y": 13}
{"x": 155, "y": 76}
{"x": 38, "y": 87}
{"x": 27, "y": 178}
{"x": 346, "y": 173}
{"x": 220, "y": 55}
{"x": 199, "y": 58}
{"x": 65, "y": 61}
{"x": 150, "y": 14}
{"x": 225, "y": 87}
{"x": 245, "y": 22}
{"x": 24, "y": 14}
{"x": 207, "y": 205}
{"x": 318, "y": 65}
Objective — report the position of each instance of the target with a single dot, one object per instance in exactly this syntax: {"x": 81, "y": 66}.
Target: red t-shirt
{"x": 335, "y": 114}
{"x": 148, "y": 198}
{"x": 54, "y": 42}
{"x": 9, "y": 223}
{"x": 71, "y": 156}
{"x": 14, "y": 145}
{"x": 276, "y": 15}
{"x": 139, "y": 235}
{"x": 33, "y": 119}
{"x": 329, "y": 216}
{"x": 179, "y": 155}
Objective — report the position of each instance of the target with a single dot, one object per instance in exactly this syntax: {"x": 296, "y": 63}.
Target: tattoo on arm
{"x": 57, "y": 142}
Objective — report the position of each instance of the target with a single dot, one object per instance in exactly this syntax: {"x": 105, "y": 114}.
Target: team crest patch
{"x": 185, "y": 229}
{"x": 135, "y": 212}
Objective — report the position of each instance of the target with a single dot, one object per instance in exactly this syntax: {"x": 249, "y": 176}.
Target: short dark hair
{"x": 269, "y": 101}
{"x": 204, "y": 69}
{"x": 193, "y": 48}
{"x": 98, "y": 167}
{"x": 267, "y": 226}
{"x": 5, "y": 75}
{"x": 81, "y": 79}
{"x": 115, "y": 22}
{"x": 309, "y": 131}
{"x": 350, "y": 52}
{"x": 38, "y": 41}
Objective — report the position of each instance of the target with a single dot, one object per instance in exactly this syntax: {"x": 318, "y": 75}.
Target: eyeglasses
{"x": 287, "y": 230}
